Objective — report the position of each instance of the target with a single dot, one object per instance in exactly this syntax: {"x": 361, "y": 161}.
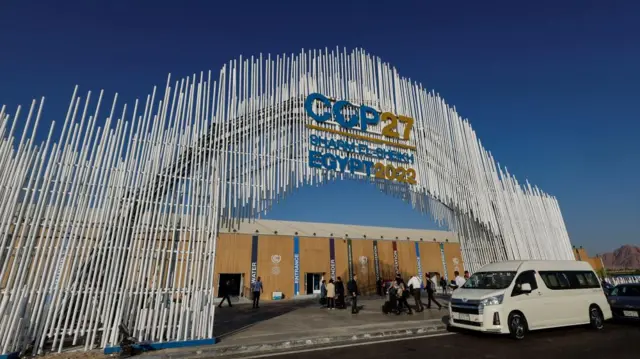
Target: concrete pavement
{"x": 302, "y": 324}
{"x": 617, "y": 341}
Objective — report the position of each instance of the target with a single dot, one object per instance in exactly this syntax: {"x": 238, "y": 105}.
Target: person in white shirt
{"x": 415, "y": 285}
{"x": 458, "y": 279}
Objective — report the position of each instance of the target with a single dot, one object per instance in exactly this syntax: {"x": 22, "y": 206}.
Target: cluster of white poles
{"x": 115, "y": 220}
{"x": 623, "y": 279}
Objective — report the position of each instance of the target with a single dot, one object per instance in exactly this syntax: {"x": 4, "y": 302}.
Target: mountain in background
{"x": 625, "y": 257}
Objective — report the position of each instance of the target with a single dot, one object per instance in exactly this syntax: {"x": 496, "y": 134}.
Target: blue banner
{"x": 350, "y": 259}
{"x": 254, "y": 260}
{"x": 376, "y": 263}
{"x": 419, "y": 263}
{"x": 296, "y": 265}
{"x": 444, "y": 262}
{"x": 332, "y": 257}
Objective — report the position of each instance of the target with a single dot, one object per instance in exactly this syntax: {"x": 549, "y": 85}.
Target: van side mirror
{"x": 525, "y": 288}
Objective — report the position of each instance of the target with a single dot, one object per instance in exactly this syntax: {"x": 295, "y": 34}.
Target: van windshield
{"x": 489, "y": 280}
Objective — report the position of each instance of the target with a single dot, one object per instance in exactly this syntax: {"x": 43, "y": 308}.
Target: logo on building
{"x": 363, "y": 264}
{"x": 275, "y": 259}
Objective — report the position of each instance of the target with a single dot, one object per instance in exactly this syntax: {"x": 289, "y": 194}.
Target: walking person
{"x": 340, "y": 302}
{"x": 225, "y": 288}
{"x": 331, "y": 295}
{"x": 403, "y": 294}
{"x": 443, "y": 284}
{"x": 323, "y": 293}
{"x": 415, "y": 289}
{"x": 393, "y": 297}
{"x": 379, "y": 287}
{"x": 458, "y": 280}
{"x": 430, "y": 290}
{"x": 434, "y": 280}
{"x": 352, "y": 287}
{"x": 257, "y": 289}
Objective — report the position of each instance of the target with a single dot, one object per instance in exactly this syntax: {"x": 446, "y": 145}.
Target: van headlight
{"x": 496, "y": 300}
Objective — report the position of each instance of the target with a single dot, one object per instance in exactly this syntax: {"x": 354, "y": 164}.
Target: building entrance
{"x": 313, "y": 281}
{"x": 235, "y": 283}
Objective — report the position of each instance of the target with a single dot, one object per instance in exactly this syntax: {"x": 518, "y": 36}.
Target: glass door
{"x": 316, "y": 283}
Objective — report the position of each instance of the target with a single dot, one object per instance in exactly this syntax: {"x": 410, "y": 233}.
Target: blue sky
{"x": 551, "y": 87}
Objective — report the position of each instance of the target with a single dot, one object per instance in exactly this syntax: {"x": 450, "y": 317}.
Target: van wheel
{"x": 596, "y": 319}
{"x": 517, "y": 325}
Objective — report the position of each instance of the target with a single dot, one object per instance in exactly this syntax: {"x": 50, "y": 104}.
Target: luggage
{"x": 388, "y": 307}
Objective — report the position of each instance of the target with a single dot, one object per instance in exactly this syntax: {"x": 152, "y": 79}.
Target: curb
{"x": 220, "y": 350}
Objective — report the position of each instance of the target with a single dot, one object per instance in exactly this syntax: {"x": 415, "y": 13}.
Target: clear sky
{"x": 551, "y": 87}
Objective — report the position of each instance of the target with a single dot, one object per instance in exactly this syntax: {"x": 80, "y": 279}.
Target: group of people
{"x": 398, "y": 292}
{"x": 256, "y": 290}
{"x": 332, "y": 294}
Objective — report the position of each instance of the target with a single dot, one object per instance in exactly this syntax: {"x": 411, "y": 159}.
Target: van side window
{"x": 524, "y": 277}
{"x": 558, "y": 280}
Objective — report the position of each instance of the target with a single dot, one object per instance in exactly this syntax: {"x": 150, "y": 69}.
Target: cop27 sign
{"x": 389, "y": 145}
{"x": 362, "y": 117}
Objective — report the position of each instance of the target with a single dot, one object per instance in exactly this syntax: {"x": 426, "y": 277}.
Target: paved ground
{"x": 292, "y": 320}
{"x": 616, "y": 341}
{"x": 294, "y": 324}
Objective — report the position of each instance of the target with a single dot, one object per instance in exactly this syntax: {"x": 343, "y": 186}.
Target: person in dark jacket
{"x": 443, "y": 284}
{"x": 403, "y": 294}
{"x": 430, "y": 291}
{"x": 225, "y": 288}
{"x": 340, "y": 304}
{"x": 352, "y": 287}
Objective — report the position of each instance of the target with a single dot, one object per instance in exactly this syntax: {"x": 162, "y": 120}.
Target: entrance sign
{"x": 92, "y": 210}
{"x": 296, "y": 265}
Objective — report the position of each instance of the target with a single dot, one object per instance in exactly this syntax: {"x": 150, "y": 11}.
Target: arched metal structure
{"x": 117, "y": 223}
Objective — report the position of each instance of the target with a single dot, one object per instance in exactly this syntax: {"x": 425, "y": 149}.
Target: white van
{"x": 514, "y": 297}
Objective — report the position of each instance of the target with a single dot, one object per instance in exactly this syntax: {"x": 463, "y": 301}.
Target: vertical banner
{"x": 296, "y": 265}
{"x": 349, "y": 259}
{"x": 419, "y": 263}
{"x": 254, "y": 259}
{"x": 376, "y": 263}
{"x": 444, "y": 261}
{"x": 332, "y": 257}
{"x": 396, "y": 263}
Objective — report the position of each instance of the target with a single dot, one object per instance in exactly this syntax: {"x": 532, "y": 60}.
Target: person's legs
{"x": 354, "y": 304}
{"x": 406, "y": 304}
{"x": 432, "y": 298}
{"x": 228, "y": 297}
{"x": 256, "y": 299}
{"x": 417, "y": 297}
{"x": 399, "y": 305}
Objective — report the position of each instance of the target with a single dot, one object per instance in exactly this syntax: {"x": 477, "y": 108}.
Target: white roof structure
{"x": 309, "y": 229}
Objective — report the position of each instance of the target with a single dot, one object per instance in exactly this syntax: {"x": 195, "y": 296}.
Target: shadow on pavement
{"x": 231, "y": 320}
